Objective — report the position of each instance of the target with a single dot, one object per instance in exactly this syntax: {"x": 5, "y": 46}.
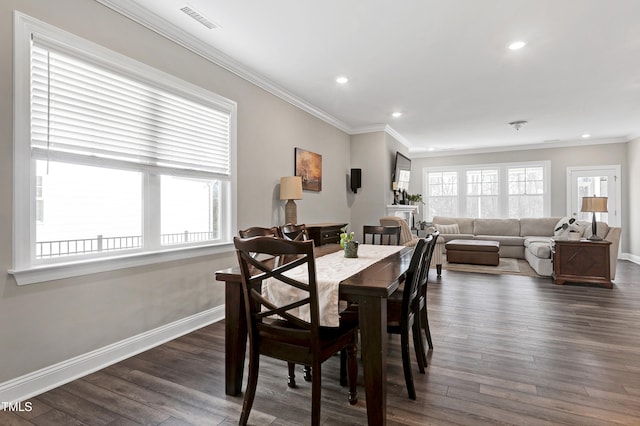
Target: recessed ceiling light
{"x": 342, "y": 80}
{"x": 586, "y": 135}
{"x": 396, "y": 114}
{"x": 516, "y": 45}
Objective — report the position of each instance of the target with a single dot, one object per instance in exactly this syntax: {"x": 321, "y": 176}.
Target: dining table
{"x": 369, "y": 288}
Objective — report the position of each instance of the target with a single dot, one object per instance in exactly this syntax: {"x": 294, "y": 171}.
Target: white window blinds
{"x": 82, "y": 109}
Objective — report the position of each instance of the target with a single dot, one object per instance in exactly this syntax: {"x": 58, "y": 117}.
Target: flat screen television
{"x": 401, "y": 172}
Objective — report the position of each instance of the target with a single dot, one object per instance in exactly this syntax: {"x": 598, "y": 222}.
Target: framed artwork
{"x": 309, "y": 168}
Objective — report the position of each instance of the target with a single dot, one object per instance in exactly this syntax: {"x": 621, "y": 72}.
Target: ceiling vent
{"x": 198, "y": 17}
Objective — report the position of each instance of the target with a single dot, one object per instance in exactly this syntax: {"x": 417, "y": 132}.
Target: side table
{"x": 325, "y": 233}
{"x": 582, "y": 261}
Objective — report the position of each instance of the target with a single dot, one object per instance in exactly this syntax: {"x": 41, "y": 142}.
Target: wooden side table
{"x": 582, "y": 261}
{"x": 325, "y": 233}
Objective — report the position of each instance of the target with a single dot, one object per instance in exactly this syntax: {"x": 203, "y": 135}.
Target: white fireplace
{"x": 405, "y": 211}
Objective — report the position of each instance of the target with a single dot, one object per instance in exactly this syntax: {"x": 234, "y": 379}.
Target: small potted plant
{"x": 414, "y": 198}
{"x": 346, "y": 242}
{"x": 422, "y": 224}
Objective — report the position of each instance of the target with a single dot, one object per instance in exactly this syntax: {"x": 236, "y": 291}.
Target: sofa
{"x": 526, "y": 238}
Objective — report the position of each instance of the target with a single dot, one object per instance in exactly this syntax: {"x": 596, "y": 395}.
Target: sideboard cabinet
{"x": 325, "y": 233}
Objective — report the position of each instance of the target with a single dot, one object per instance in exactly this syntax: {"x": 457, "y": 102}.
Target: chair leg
{"x": 439, "y": 269}
{"x": 427, "y": 332}
{"x": 343, "y": 367}
{"x": 252, "y": 383}
{"x": 353, "y": 372}
{"x": 316, "y": 388}
{"x": 307, "y": 373}
{"x": 406, "y": 363}
{"x": 291, "y": 381}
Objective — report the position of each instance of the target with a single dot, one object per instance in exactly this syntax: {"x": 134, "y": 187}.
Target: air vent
{"x": 198, "y": 17}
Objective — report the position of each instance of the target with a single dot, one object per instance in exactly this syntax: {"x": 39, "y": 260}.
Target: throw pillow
{"x": 564, "y": 227}
{"x": 448, "y": 229}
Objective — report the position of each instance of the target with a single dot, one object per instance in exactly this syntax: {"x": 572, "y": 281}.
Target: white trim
{"x": 42, "y": 380}
{"x": 630, "y": 257}
{"x": 26, "y": 269}
{"x": 48, "y": 272}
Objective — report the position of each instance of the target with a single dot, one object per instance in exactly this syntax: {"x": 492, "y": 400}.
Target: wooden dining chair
{"x": 257, "y": 231}
{"x": 276, "y": 332}
{"x": 403, "y": 314}
{"x": 389, "y": 235}
{"x": 294, "y": 232}
{"x": 424, "y": 280}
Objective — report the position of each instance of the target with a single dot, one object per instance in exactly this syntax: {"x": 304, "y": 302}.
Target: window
{"x": 127, "y": 160}
{"x": 442, "y": 193}
{"x": 488, "y": 191}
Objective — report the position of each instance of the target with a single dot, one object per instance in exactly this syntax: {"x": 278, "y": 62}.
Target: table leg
{"x": 235, "y": 335}
{"x": 373, "y": 332}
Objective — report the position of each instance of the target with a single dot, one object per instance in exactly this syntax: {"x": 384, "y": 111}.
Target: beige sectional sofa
{"x": 526, "y": 238}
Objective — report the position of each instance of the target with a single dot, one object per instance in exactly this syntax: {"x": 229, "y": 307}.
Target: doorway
{"x": 594, "y": 181}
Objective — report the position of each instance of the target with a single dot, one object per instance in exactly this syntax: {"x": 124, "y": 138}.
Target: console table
{"x": 325, "y": 233}
{"x": 582, "y": 261}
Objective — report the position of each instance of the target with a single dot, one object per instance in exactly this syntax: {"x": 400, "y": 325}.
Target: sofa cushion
{"x": 602, "y": 231}
{"x": 538, "y": 226}
{"x": 504, "y": 240}
{"x": 540, "y": 249}
{"x": 496, "y": 227}
{"x": 465, "y": 223}
{"x": 448, "y": 229}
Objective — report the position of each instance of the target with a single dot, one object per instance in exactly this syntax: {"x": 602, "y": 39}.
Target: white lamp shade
{"x": 291, "y": 188}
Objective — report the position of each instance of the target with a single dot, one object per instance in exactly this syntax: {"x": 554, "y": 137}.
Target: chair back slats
{"x": 258, "y": 231}
{"x": 294, "y": 232}
{"x": 410, "y": 295}
{"x": 254, "y": 272}
{"x": 387, "y": 235}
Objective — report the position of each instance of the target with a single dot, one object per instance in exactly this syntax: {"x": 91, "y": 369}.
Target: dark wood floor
{"x": 508, "y": 350}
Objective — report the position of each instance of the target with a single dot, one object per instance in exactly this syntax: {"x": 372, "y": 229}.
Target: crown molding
{"x": 382, "y": 128}
{"x": 524, "y": 147}
{"x": 170, "y": 31}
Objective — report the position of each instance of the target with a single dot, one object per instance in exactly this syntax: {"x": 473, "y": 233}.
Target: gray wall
{"x": 561, "y": 158}
{"x": 42, "y": 324}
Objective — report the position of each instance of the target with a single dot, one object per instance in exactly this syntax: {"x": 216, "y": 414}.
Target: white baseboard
{"x": 630, "y": 257}
{"x": 37, "y": 382}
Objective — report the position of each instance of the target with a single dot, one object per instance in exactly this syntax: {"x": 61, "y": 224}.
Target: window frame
{"x": 25, "y": 269}
{"x": 503, "y": 197}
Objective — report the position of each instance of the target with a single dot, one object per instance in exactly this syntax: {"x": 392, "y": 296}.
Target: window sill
{"x": 44, "y": 273}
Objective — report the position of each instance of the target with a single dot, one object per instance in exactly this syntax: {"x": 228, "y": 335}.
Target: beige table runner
{"x": 331, "y": 269}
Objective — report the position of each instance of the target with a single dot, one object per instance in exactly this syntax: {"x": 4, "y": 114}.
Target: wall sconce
{"x": 356, "y": 180}
{"x": 291, "y": 189}
{"x": 594, "y": 204}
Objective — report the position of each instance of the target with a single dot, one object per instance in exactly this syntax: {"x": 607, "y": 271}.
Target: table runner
{"x": 331, "y": 269}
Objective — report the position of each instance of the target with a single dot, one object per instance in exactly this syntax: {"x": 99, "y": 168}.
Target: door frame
{"x": 616, "y": 168}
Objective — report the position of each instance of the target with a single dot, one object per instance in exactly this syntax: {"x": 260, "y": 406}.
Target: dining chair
{"x": 424, "y": 280}
{"x": 406, "y": 236}
{"x": 276, "y": 332}
{"x": 294, "y": 232}
{"x": 403, "y": 314}
{"x": 389, "y": 235}
{"x": 257, "y": 231}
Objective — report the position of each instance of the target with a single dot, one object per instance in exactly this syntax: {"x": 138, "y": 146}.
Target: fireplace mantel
{"x": 405, "y": 211}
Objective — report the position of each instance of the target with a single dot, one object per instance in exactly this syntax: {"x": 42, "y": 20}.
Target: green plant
{"x": 345, "y": 236}
{"x": 415, "y": 197}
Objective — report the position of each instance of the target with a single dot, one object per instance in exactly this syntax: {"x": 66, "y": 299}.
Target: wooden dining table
{"x": 370, "y": 288}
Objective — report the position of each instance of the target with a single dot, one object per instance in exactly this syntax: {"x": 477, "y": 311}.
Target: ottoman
{"x": 476, "y": 252}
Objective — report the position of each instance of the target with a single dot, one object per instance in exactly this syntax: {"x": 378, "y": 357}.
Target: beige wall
{"x": 42, "y": 324}
{"x": 561, "y": 158}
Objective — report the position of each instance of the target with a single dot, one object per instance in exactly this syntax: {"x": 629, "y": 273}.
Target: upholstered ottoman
{"x": 476, "y": 252}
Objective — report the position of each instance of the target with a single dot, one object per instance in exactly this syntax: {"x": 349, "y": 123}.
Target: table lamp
{"x": 291, "y": 189}
{"x": 594, "y": 204}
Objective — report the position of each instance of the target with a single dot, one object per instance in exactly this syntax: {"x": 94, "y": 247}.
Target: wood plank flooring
{"x": 508, "y": 350}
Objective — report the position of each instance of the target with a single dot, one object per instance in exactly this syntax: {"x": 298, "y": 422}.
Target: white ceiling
{"x": 443, "y": 63}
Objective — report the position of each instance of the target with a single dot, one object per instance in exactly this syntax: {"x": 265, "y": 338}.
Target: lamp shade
{"x": 291, "y": 188}
{"x": 594, "y": 204}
